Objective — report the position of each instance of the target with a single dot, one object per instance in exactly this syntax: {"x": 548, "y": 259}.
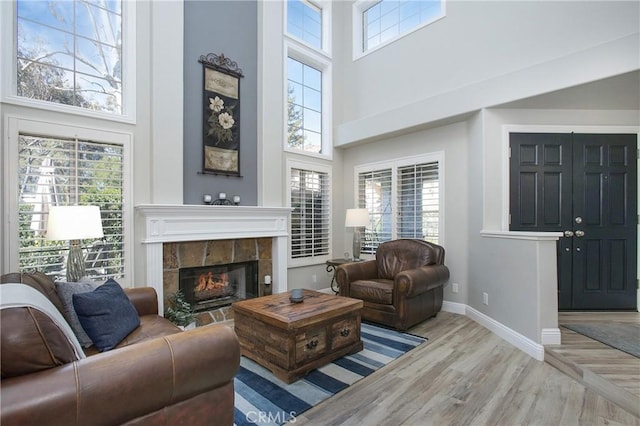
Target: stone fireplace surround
{"x": 175, "y": 233}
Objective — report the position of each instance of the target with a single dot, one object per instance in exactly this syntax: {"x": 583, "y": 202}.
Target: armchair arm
{"x": 144, "y": 299}
{"x": 416, "y": 281}
{"x": 348, "y": 272}
{"x": 124, "y": 384}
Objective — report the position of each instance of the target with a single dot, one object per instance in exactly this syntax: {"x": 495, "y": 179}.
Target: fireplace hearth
{"x": 210, "y": 287}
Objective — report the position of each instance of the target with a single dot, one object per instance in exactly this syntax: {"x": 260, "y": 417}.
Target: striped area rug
{"x": 261, "y": 398}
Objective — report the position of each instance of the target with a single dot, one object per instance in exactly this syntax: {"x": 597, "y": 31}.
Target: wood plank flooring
{"x": 610, "y": 372}
{"x": 466, "y": 375}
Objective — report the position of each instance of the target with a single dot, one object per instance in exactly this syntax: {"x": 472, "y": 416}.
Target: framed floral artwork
{"x": 221, "y": 115}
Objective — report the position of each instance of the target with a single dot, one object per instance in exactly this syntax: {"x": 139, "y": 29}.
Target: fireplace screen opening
{"x": 209, "y": 287}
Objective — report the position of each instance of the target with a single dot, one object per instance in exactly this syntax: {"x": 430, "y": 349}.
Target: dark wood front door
{"x": 585, "y": 186}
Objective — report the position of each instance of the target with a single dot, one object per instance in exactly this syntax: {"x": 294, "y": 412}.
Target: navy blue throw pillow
{"x": 106, "y": 314}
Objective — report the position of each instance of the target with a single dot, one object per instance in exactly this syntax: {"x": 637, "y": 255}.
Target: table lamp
{"x": 356, "y": 218}
{"x": 74, "y": 223}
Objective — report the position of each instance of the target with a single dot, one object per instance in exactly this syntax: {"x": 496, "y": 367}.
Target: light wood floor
{"x": 466, "y": 375}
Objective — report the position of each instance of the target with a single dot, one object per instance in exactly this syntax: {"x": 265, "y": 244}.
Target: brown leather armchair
{"x": 401, "y": 287}
{"x": 156, "y": 375}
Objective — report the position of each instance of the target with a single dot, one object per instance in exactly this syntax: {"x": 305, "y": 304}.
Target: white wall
{"x": 483, "y": 54}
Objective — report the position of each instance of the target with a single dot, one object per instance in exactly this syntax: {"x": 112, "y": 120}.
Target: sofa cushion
{"x": 376, "y": 291}
{"x": 106, "y": 314}
{"x": 37, "y": 280}
{"x": 396, "y": 256}
{"x": 65, "y": 293}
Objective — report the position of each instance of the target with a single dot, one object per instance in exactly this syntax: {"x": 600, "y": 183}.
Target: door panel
{"x": 605, "y": 196}
{"x": 585, "y": 184}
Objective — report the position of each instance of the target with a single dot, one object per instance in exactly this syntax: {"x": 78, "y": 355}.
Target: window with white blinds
{"x": 374, "y": 194}
{"x": 403, "y": 199}
{"x": 60, "y": 172}
{"x": 310, "y": 200}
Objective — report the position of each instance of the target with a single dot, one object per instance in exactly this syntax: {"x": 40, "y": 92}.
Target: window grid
{"x": 388, "y": 20}
{"x": 304, "y": 21}
{"x": 59, "y": 172}
{"x": 304, "y": 106}
{"x": 403, "y": 202}
{"x": 310, "y": 195}
{"x": 71, "y": 53}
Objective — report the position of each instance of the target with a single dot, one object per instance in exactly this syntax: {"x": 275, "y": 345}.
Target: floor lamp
{"x": 356, "y": 219}
{"x": 74, "y": 223}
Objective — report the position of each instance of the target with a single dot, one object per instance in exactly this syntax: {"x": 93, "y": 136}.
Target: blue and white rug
{"x": 261, "y": 398}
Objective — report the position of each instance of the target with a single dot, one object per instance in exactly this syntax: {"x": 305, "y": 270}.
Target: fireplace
{"x": 209, "y": 287}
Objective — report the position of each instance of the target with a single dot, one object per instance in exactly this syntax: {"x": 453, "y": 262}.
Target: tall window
{"x": 59, "y": 172}
{"x": 380, "y": 22}
{"x": 304, "y": 106}
{"x": 310, "y": 200}
{"x": 403, "y": 199}
{"x": 71, "y": 53}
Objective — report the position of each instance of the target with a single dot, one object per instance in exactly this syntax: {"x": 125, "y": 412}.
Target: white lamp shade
{"x": 356, "y": 218}
{"x": 74, "y": 223}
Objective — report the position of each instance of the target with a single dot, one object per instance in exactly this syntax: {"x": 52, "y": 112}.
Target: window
{"x": 310, "y": 200}
{"x": 403, "y": 199}
{"x": 381, "y": 22}
{"x": 75, "y": 53}
{"x": 304, "y": 107}
{"x": 55, "y": 171}
{"x": 304, "y": 21}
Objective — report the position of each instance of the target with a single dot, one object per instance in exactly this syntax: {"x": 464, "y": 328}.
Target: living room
{"x": 449, "y": 92}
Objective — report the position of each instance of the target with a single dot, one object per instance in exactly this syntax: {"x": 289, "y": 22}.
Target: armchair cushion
{"x": 65, "y": 292}
{"x": 106, "y": 314}
{"x": 375, "y": 290}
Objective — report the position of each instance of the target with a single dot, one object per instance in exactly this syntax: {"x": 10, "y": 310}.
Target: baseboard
{"x": 454, "y": 307}
{"x": 550, "y": 336}
{"x": 521, "y": 342}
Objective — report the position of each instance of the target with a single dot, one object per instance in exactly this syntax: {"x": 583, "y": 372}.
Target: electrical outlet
{"x": 314, "y": 279}
{"x": 485, "y": 298}
{"x": 454, "y": 287}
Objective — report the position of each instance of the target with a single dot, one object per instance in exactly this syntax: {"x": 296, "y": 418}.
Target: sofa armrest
{"x": 144, "y": 299}
{"x": 124, "y": 384}
{"x": 354, "y": 271}
{"x": 417, "y": 281}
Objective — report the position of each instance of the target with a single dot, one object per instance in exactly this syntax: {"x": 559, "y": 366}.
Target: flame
{"x": 211, "y": 281}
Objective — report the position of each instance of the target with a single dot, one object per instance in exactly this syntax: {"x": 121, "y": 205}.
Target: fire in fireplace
{"x": 210, "y": 287}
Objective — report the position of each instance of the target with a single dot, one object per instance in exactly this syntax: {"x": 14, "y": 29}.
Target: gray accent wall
{"x": 228, "y": 27}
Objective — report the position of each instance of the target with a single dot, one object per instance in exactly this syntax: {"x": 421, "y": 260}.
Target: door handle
{"x": 579, "y": 233}
{"x": 568, "y": 233}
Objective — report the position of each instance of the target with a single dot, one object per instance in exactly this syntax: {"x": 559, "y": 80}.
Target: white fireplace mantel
{"x": 166, "y": 223}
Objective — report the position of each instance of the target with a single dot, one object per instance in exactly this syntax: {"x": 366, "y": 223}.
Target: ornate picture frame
{"x": 221, "y": 115}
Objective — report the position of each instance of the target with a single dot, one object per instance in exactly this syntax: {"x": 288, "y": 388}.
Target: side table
{"x": 332, "y": 265}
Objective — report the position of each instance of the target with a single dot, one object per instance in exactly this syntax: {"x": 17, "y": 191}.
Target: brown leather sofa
{"x": 402, "y": 287}
{"x": 157, "y": 375}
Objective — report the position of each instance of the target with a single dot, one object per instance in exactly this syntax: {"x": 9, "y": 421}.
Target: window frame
{"x": 323, "y": 64}
{"x": 17, "y": 125}
{"x": 8, "y": 60}
{"x": 317, "y": 168}
{"x": 394, "y": 165}
{"x": 357, "y": 17}
{"x": 325, "y": 12}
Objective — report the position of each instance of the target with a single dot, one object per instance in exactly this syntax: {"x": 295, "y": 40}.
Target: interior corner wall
{"x": 229, "y": 27}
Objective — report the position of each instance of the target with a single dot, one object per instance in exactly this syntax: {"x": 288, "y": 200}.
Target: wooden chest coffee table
{"x": 291, "y": 339}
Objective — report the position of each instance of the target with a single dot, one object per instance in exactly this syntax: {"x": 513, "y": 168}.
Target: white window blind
{"x": 59, "y": 172}
{"x": 418, "y": 201}
{"x": 403, "y": 200}
{"x": 310, "y": 195}
{"x": 374, "y": 194}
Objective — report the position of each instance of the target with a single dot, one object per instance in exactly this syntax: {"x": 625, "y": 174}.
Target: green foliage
{"x": 179, "y": 311}
{"x": 295, "y": 136}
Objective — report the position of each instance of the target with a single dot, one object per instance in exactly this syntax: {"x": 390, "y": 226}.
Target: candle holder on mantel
{"x": 222, "y": 200}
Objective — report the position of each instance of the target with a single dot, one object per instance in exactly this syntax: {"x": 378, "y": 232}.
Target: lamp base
{"x": 75, "y": 262}
{"x": 357, "y": 244}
